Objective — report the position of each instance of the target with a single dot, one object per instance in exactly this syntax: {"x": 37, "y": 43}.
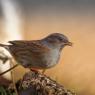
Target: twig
{"x": 8, "y": 70}
{"x": 5, "y": 58}
{"x": 12, "y": 74}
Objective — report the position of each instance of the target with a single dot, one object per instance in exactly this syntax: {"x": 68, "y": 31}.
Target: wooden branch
{"x": 4, "y": 82}
{"x": 35, "y": 83}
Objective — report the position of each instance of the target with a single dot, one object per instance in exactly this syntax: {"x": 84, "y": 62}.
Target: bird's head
{"x": 58, "y": 40}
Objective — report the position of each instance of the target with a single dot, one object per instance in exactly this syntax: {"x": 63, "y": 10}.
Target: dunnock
{"x": 38, "y": 54}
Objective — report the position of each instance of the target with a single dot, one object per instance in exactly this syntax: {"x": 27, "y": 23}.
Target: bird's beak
{"x": 69, "y": 43}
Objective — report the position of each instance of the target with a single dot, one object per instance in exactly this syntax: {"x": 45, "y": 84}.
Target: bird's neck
{"x": 50, "y": 45}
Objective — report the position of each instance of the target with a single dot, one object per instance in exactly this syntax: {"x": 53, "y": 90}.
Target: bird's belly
{"x": 42, "y": 62}
{"x": 46, "y": 61}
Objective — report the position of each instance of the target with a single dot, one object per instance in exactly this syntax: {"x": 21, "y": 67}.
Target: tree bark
{"x": 4, "y": 82}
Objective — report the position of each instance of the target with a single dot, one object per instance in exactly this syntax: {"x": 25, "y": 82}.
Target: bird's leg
{"x": 34, "y": 70}
{"x": 43, "y": 71}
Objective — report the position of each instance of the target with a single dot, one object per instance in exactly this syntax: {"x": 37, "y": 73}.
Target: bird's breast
{"x": 53, "y": 58}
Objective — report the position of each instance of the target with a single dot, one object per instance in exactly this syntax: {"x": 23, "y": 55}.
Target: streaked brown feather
{"x": 34, "y": 46}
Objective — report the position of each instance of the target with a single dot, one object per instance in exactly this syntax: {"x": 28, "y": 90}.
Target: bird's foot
{"x": 34, "y": 70}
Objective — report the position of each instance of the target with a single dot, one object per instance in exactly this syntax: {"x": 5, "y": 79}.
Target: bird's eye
{"x": 60, "y": 39}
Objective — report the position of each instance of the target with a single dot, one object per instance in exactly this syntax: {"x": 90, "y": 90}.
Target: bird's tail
{"x": 4, "y": 46}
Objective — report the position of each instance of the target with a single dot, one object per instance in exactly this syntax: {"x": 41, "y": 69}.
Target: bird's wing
{"x": 33, "y": 46}
{"x": 17, "y": 42}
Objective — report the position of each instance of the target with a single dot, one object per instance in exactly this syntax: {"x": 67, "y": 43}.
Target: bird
{"x": 38, "y": 54}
